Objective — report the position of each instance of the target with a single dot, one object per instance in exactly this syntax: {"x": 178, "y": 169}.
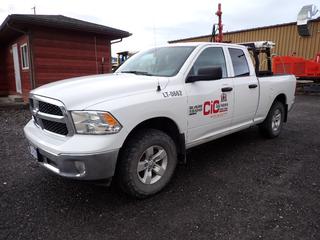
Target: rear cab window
{"x": 239, "y": 62}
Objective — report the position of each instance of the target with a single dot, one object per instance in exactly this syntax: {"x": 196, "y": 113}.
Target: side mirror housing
{"x": 206, "y": 74}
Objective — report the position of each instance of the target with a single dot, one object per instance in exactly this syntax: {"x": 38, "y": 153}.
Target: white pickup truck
{"x": 136, "y": 124}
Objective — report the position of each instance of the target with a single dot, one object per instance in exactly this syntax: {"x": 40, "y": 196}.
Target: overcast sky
{"x": 156, "y": 22}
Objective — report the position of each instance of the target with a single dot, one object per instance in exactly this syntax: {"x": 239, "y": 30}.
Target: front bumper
{"x": 85, "y": 167}
{"x": 79, "y": 157}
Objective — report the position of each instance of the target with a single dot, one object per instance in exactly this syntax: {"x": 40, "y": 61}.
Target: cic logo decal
{"x": 216, "y": 107}
{"x": 212, "y": 108}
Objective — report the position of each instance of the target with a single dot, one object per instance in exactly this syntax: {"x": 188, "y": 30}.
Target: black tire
{"x": 268, "y": 127}
{"x": 135, "y": 151}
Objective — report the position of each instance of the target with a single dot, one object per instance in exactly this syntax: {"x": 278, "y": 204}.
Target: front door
{"x": 210, "y": 103}
{"x": 16, "y": 65}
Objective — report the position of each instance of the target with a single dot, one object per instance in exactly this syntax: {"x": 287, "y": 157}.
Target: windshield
{"x": 162, "y": 61}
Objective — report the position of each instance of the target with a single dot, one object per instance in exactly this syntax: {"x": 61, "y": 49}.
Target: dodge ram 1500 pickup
{"x": 134, "y": 125}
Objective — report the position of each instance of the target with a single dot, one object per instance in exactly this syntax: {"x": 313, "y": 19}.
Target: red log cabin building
{"x": 39, "y": 49}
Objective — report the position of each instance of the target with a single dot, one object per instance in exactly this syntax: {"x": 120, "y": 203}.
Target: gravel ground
{"x": 239, "y": 187}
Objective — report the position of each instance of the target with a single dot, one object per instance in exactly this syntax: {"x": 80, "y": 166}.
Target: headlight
{"x": 94, "y": 122}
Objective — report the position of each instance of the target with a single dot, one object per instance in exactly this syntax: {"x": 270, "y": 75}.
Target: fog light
{"x": 80, "y": 166}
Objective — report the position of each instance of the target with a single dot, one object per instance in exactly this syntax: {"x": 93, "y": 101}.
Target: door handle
{"x": 253, "y": 85}
{"x": 226, "y": 89}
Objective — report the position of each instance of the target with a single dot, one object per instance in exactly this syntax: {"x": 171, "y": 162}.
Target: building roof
{"x": 243, "y": 30}
{"x": 15, "y": 22}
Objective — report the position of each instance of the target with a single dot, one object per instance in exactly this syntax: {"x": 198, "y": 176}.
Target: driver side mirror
{"x": 206, "y": 74}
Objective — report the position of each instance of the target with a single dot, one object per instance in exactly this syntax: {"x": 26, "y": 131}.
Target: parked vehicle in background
{"x": 136, "y": 124}
{"x": 121, "y": 58}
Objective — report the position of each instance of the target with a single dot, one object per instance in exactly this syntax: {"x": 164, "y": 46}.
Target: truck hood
{"x": 81, "y": 92}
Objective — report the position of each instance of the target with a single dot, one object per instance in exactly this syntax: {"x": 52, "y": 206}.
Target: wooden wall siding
{"x": 286, "y": 38}
{"x": 59, "y": 55}
{"x": 9, "y": 68}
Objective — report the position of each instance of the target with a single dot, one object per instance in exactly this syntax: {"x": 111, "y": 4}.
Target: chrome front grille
{"x": 50, "y": 115}
{"x": 56, "y": 127}
{"x": 50, "y": 109}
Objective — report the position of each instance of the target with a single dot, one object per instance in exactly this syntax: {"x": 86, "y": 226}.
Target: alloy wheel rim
{"x": 152, "y": 164}
{"x": 276, "y": 120}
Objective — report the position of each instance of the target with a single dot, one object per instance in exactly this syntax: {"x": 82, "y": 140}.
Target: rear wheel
{"x": 272, "y": 125}
{"x": 146, "y": 163}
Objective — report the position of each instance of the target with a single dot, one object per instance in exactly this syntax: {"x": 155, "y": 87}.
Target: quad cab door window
{"x": 239, "y": 62}
{"x": 210, "y": 102}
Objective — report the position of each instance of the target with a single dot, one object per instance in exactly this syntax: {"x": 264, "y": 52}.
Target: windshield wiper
{"x": 138, "y": 73}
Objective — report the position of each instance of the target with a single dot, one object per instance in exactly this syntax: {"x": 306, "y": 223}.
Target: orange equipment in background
{"x": 298, "y": 66}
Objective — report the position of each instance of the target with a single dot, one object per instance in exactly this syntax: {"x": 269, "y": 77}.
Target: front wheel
{"x": 272, "y": 125}
{"x": 146, "y": 163}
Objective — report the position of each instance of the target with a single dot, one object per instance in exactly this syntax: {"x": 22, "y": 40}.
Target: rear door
{"x": 210, "y": 103}
{"x": 246, "y": 88}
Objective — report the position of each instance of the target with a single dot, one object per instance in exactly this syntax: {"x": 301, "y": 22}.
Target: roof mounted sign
{"x": 306, "y": 13}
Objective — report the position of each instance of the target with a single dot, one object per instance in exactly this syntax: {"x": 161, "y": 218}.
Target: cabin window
{"x": 210, "y": 57}
{"x": 24, "y": 56}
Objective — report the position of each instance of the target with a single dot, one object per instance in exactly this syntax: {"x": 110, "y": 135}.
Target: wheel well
{"x": 283, "y": 99}
{"x": 166, "y": 125}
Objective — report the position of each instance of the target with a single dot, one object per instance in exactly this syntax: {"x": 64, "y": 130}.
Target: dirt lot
{"x": 238, "y": 187}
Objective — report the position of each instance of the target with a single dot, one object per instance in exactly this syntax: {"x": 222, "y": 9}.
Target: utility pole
{"x": 214, "y": 37}
{"x": 34, "y": 10}
{"x": 220, "y": 26}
